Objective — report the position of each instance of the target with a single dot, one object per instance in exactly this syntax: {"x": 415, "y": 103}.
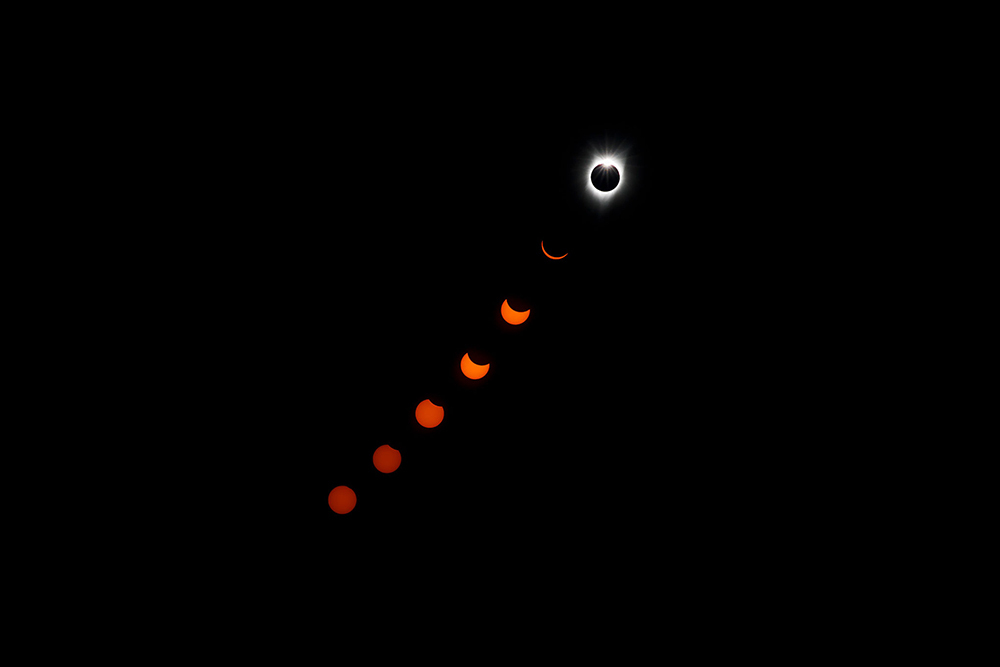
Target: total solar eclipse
{"x": 605, "y": 177}
{"x": 605, "y": 165}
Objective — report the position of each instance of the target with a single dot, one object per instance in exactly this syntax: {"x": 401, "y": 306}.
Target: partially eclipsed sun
{"x": 428, "y": 414}
{"x": 472, "y": 370}
{"x": 550, "y": 256}
{"x": 512, "y": 316}
{"x": 386, "y": 459}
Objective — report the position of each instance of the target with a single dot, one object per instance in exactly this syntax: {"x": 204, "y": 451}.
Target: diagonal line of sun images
{"x": 604, "y": 174}
{"x": 386, "y": 459}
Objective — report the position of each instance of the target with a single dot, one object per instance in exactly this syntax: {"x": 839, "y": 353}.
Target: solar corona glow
{"x": 609, "y": 161}
{"x": 472, "y": 370}
{"x": 512, "y": 316}
{"x": 605, "y": 177}
{"x": 602, "y": 171}
{"x": 429, "y": 415}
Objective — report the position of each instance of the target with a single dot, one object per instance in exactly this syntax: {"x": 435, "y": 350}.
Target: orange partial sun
{"x": 428, "y": 414}
{"x": 550, "y": 256}
{"x": 386, "y": 459}
{"x": 472, "y": 370}
{"x": 512, "y": 316}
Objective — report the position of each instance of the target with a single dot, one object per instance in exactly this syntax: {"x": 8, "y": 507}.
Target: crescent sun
{"x": 512, "y": 316}
{"x": 550, "y": 256}
{"x": 472, "y": 370}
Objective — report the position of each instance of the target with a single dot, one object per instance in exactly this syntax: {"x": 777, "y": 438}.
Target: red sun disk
{"x": 386, "y": 459}
{"x": 342, "y": 499}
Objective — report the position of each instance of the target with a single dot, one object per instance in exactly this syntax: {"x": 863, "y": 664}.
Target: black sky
{"x": 376, "y": 240}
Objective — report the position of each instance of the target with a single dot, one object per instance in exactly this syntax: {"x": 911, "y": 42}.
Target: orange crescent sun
{"x": 472, "y": 370}
{"x": 550, "y": 256}
{"x": 512, "y": 316}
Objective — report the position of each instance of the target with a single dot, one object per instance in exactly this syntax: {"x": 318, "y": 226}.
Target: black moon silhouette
{"x": 605, "y": 177}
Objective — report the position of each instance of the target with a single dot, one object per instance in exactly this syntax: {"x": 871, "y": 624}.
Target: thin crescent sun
{"x": 472, "y": 370}
{"x": 550, "y": 256}
{"x": 512, "y": 316}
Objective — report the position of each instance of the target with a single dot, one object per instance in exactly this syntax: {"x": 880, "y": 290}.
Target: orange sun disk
{"x": 472, "y": 370}
{"x": 428, "y": 414}
{"x": 512, "y": 316}
{"x": 386, "y": 459}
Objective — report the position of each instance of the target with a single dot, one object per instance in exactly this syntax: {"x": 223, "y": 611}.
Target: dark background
{"x": 662, "y": 384}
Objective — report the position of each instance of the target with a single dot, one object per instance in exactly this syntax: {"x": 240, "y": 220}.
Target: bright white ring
{"x": 611, "y": 160}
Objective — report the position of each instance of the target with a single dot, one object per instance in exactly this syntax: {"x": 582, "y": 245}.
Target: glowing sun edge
{"x": 612, "y": 159}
